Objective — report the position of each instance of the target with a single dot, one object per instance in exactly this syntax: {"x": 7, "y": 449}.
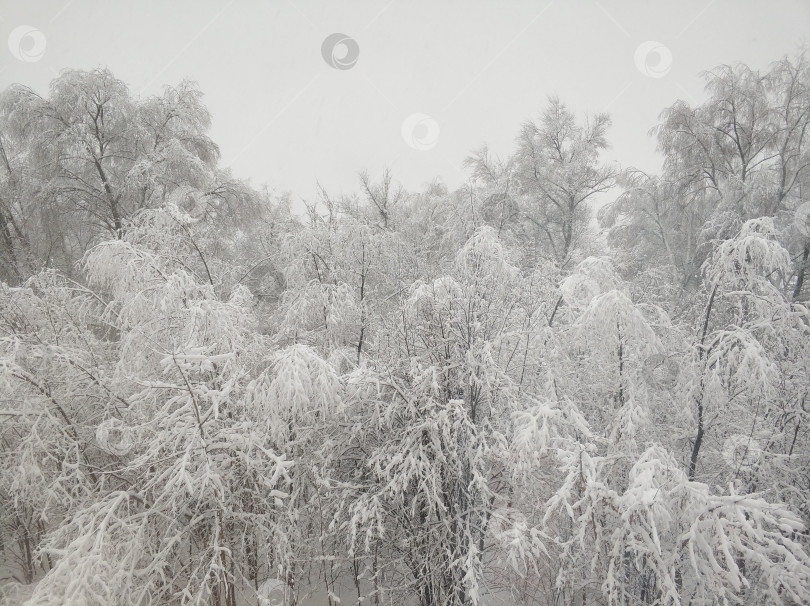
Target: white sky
{"x": 282, "y": 116}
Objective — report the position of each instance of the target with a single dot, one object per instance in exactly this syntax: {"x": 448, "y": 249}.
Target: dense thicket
{"x": 442, "y": 397}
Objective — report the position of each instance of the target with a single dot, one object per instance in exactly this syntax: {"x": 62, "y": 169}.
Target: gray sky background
{"x": 282, "y": 116}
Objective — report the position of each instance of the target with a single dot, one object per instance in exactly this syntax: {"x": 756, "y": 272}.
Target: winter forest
{"x": 566, "y": 383}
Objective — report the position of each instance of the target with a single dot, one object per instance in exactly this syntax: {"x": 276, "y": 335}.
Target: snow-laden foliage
{"x": 592, "y": 277}
{"x": 192, "y": 484}
{"x": 754, "y": 254}
{"x": 665, "y": 539}
{"x": 444, "y": 398}
{"x": 447, "y": 406}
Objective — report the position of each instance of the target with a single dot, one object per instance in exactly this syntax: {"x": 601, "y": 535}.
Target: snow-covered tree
{"x": 443, "y": 397}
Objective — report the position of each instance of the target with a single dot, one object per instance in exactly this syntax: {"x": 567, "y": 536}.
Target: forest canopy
{"x": 566, "y": 382}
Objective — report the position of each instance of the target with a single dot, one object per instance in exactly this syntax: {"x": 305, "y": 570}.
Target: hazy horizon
{"x": 283, "y": 117}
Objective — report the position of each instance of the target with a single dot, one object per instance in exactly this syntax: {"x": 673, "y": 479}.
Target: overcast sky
{"x": 415, "y": 87}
